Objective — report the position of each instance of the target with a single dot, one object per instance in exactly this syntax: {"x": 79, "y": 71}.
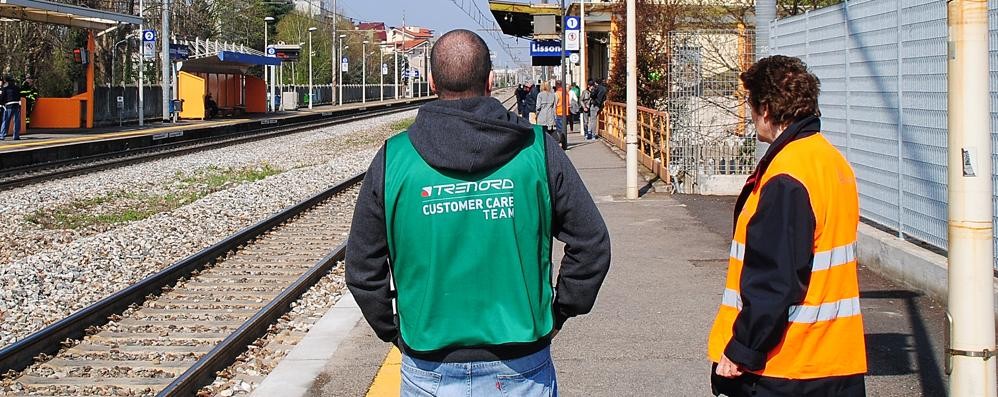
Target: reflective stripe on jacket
{"x": 790, "y": 307}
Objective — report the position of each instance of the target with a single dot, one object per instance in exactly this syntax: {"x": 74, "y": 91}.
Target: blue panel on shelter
{"x": 247, "y": 59}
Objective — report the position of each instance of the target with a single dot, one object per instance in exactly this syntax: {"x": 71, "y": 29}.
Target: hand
{"x": 727, "y": 369}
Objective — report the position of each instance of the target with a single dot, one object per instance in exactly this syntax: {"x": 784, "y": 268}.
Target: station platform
{"x": 647, "y": 334}
{"x": 36, "y": 139}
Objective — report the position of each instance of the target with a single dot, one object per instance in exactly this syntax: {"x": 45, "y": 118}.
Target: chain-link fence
{"x": 711, "y": 126}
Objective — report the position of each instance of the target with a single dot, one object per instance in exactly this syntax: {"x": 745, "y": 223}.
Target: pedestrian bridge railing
{"x": 653, "y": 136}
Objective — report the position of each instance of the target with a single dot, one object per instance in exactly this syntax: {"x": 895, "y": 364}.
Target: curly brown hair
{"x": 783, "y": 86}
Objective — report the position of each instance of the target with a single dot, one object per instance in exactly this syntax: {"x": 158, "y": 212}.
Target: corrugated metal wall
{"x": 882, "y": 65}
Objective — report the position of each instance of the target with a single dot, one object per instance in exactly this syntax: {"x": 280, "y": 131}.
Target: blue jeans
{"x": 560, "y": 123}
{"x": 12, "y": 119}
{"x": 528, "y": 376}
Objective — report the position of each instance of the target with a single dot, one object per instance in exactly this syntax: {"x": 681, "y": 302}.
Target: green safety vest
{"x": 470, "y": 253}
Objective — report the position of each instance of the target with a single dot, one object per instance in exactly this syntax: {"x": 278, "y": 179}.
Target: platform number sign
{"x": 271, "y": 51}
{"x": 344, "y": 64}
{"x": 148, "y": 44}
{"x": 573, "y": 35}
{"x": 384, "y": 69}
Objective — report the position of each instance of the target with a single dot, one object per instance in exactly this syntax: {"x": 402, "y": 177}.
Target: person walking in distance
{"x": 10, "y": 96}
{"x": 454, "y": 225}
{"x": 30, "y": 94}
{"x": 598, "y": 100}
{"x": 789, "y": 323}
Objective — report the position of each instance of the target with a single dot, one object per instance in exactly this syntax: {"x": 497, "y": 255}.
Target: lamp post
{"x": 363, "y": 75}
{"x": 311, "y": 91}
{"x": 269, "y": 69}
{"x": 398, "y": 88}
{"x": 339, "y": 80}
{"x": 381, "y": 66}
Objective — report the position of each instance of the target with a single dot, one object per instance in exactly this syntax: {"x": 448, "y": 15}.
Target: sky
{"x": 439, "y": 15}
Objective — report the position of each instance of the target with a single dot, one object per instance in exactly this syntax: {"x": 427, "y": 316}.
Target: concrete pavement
{"x": 647, "y": 334}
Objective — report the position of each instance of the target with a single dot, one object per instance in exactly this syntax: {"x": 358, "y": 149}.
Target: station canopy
{"x": 227, "y": 62}
{"x": 64, "y": 14}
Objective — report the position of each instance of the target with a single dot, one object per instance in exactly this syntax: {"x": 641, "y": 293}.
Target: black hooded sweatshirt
{"x": 468, "y": 136}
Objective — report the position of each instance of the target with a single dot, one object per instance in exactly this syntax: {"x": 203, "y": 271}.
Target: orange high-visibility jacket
{"x": 561, "y": 105}
{"x": 819, "y": 329}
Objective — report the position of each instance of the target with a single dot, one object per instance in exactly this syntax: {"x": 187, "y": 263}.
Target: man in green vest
{"x": 454, "y": 227}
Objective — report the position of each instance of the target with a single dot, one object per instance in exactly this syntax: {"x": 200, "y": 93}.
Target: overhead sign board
{"x": 179, "y": 52}
{"x": 287, "y": 53}
{"x": 545, "y": 48}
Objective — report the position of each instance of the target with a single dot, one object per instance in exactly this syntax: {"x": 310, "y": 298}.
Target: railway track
{"x": 171, "y": 333}
{"x": 28, "y": 175}
{"x": 177, "y": 328}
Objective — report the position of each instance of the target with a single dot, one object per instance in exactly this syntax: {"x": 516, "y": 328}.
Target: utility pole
{"x": 765, "y": 12}
{"x": 632, "y": 101}
{"x": 363, "y": 73}
{"x": 142, "y": 66}
{"x": 583, "y": 81}
{"x": 398, "y": 87}
{"x": 336, "y": 55}
{"x": 970, "y": 354}
{"x": 165, "y": 59}
{"x": 564, "y": 83}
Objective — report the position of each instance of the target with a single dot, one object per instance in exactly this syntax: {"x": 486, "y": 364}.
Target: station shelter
{"x": 76, "y": 111}
{"x": 521, "y": 20}
{"x": 225, "y": 75}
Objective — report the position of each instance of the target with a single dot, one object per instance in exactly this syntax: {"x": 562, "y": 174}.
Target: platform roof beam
{"x": 64, "y": 14}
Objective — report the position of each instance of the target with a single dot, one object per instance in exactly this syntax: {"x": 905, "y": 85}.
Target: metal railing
{"x": 653, "y": 136}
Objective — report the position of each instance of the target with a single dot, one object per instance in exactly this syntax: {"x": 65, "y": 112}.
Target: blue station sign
{"x": 545, "y": 48}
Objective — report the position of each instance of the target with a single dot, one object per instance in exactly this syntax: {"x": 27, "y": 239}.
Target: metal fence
{"x": 712, "y": 133}
{"x": 882, "y": 65}
{"x": 107, "y": 112}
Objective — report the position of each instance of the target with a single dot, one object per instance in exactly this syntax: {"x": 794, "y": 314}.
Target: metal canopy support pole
{"x": 632, "y": 101}
{"x": 164, "y": 57}
{"x": 970, "y": 355}
{"x": 142, "y": 66}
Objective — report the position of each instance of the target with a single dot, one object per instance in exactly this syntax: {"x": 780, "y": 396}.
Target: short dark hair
{"x": 461, "y": 63}
{"x": 784, "y": 87}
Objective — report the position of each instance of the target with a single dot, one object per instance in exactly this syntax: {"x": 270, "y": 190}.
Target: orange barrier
{"x": 58, "y": 113}
{"x": 74, "y": 112}
{"x": 256, "y": 95}
{"x": 191, "y": 89}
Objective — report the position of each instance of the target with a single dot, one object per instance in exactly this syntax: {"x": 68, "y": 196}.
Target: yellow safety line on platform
{"x": 388, "y": 381}
{"x": 149, "y": 131}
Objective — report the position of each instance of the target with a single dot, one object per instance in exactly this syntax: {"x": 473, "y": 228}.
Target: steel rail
{"x": 21, "y": 354}
{"x": 28, "y": 175}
